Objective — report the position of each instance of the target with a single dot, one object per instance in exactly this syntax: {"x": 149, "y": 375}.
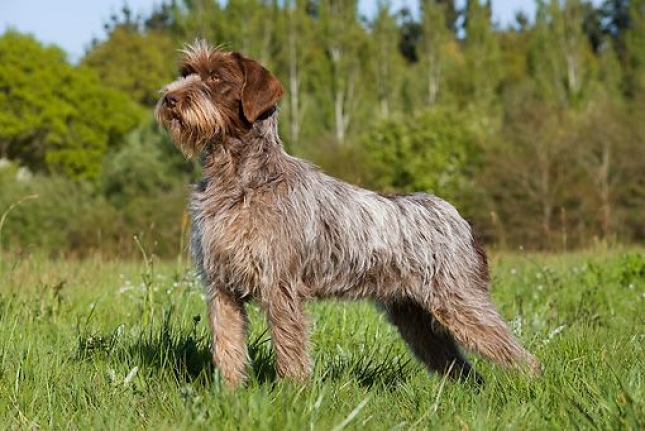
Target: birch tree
{"x": 343, "y": 40}
{"x": 435, "y": 34}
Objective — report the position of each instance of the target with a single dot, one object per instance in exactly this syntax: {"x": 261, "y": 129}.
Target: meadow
{"x": 103, "y": 344}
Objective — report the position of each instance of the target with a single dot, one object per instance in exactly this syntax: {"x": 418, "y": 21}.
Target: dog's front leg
{"x": 289, "y": 332}
{"x": 228, "y": 323}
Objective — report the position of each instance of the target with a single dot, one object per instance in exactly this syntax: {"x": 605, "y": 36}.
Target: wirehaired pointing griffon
{"x": 272, "y": 227}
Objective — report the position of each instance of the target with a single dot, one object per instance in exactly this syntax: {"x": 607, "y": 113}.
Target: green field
{"x": 100, "y": 344}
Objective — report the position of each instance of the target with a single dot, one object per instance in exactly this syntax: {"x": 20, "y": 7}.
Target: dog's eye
{"x": 185, "y": 71}
{"x": 214, "y": 78}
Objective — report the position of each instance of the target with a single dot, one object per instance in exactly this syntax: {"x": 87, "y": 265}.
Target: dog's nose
{"x": 171, "y": 99}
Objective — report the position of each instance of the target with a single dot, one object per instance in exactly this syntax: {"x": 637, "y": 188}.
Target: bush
{"x": 59, "y": 216}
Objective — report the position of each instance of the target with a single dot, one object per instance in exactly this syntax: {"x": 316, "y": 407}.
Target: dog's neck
{"x": 266, "y": 127}
{"x": 254, "y": 159}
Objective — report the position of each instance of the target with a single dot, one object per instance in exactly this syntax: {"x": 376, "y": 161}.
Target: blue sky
{"x": 72, "y": 24}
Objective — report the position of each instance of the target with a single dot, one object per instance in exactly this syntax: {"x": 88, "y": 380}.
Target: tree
{"x": 424, "y": 151}
{"x": 615, "y": 20}
{"x": 602, "y": 141}
{"x": 435, "y": 36}
{"x": 531, "y": 173}
{"x": 250, "y": 27}
{"x": 138, "y": 63}
{"x": 635, "y": 47}
{"x": 482, "y": 53}
{"x": 200, "y": 19}
{"x": 55, "y": 117}
{"x": 297, "y": 56}
{"x": 387, "y": 60}
{"x": 343, "y": 41}
{"x": 147, "y": 164}
{"x": 561, "y": 56}
{"x": 409, "y": 36}
{"x": 162, "y": 18}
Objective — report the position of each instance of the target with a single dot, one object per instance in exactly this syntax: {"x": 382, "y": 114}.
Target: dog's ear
{"x": 261, "y": 89}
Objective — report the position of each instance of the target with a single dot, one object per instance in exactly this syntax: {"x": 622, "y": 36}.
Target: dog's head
{"x": 218, "y": 94}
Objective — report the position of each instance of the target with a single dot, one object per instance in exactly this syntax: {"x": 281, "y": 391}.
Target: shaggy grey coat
{"x": 271, "y": 227}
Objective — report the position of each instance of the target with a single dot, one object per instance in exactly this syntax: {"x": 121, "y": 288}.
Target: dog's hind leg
{"x": 429, "y": 341}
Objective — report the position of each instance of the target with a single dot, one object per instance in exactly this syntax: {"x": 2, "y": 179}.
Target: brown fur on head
{"x": 218, "y": 94}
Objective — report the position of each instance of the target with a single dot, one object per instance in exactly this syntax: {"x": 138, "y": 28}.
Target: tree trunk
{"x": 294, "y": 83}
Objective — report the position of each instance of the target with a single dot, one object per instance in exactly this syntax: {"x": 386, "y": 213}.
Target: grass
{"x": 98, "y": 344}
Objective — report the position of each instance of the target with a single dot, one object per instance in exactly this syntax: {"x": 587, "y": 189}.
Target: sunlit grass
{"x": 99, "y": 344}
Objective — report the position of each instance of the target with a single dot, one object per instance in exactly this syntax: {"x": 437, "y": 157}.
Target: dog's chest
{"x": 235, "y": 236}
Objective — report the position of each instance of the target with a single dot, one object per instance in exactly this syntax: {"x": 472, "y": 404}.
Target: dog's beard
{"x": 197, "y": 123}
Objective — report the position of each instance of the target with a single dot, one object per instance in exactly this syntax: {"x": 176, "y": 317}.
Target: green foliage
{"x": 534, "y": 131}
{"x": 635, "y": 48}
{"x": 423, "y": 152}
{"x": 57, "y": 118}
{"x": 561, "y": 74}
{"x": 482, "y": 55}
{"x": 136, "y": 63}
{"x": 81, "y": 340}
{"x": 60, "y": 216}
{"x": 147, "y": 164}
{"x": 45, "y": 221}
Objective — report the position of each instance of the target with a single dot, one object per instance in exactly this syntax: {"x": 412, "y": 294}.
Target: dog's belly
{"x": 377, "y": 274}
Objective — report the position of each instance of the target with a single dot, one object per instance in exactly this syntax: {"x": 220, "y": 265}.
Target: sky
{"x": 72, "y": 24}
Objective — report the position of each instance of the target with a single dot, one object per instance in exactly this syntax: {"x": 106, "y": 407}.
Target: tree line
{"x": 532, "y": 130}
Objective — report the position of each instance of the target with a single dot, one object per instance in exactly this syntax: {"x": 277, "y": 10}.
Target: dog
{"x": 271, "y": 227}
